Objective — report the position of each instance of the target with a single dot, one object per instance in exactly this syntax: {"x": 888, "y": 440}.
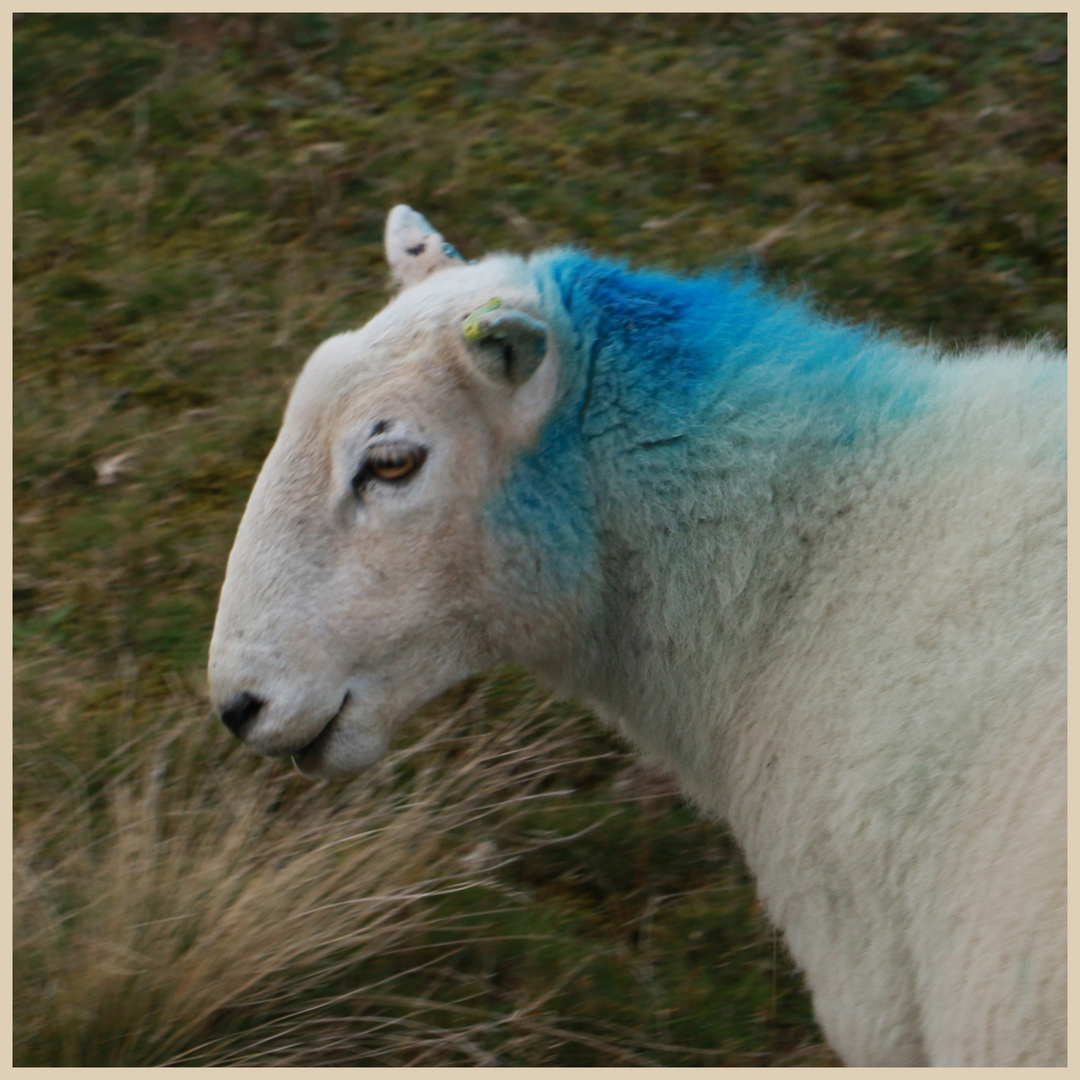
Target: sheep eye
{"x": 391, "y": 463}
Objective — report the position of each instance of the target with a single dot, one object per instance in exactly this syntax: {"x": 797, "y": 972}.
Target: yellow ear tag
{"x": 476, "y": 328}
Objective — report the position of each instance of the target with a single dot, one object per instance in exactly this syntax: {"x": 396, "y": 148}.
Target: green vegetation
{"x": 199, "y": 201}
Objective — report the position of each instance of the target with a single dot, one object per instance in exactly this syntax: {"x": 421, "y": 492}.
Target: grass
{"x": 198, "y": 201}
{"x": 202, "y": 909}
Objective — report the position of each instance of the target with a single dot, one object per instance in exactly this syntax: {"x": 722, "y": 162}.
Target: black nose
{"x": 238, "y": 710}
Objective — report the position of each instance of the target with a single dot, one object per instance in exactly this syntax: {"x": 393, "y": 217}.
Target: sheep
{"x": 815, "y": 572}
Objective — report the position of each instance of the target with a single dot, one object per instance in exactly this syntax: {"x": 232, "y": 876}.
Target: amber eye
{"x": 390, "y": 463}
{"x": 394, "y": 463}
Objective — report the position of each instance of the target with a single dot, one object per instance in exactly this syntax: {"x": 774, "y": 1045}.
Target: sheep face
{"x": 365, "y": 577}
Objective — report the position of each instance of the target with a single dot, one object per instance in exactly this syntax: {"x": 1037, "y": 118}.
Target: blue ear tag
{"x": 452, "y": 252}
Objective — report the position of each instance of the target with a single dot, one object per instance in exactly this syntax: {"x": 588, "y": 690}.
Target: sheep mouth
{"x": 307, "y": 757}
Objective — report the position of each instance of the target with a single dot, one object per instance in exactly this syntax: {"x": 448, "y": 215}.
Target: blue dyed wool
{"x": 672, "y": 386}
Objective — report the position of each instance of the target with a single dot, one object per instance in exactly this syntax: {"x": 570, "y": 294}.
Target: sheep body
{"x": 861, "y": 668}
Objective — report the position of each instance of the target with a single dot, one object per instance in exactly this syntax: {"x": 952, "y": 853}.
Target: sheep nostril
{"x": 239, "y": 710}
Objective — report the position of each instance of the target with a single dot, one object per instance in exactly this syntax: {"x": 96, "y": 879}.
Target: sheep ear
{"x": 506, "y": 344}
{"x": 414, "y": 249}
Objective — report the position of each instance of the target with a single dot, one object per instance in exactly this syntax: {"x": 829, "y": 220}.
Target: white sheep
{"x": 817, "y": 573}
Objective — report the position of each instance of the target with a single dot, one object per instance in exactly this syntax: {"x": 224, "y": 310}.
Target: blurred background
{"x": 198, "y": 201}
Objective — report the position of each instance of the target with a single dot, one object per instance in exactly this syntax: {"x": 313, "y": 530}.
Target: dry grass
{"x": 188, "y": 892}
